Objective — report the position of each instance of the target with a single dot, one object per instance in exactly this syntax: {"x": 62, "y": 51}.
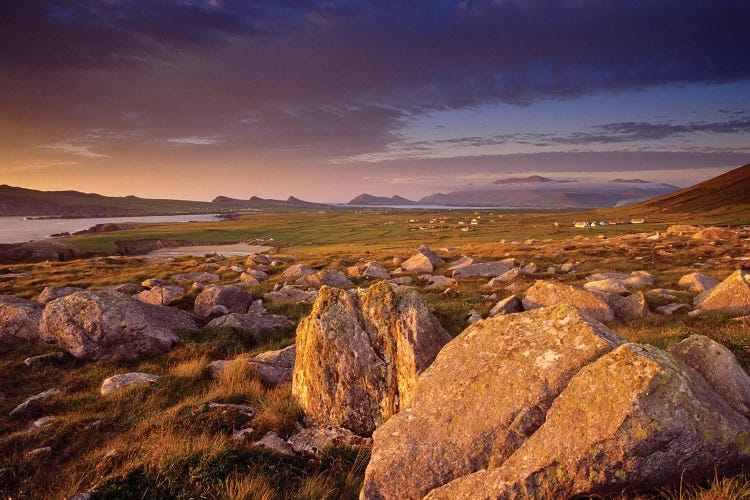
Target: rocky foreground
{"x": 538, "y": 398}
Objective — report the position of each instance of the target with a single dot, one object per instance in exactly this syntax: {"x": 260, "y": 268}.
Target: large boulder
{"x": 19, "y": 320}
{"x": 719, "y": 367}
{"x": 424, "y": 261}
{"x": 606, "y": 286}
{"x": 359, "y": 353}
{"x": 549, "y": 293}
{"x": 632, "y": 306}
{"x": 51, "y": 293}
{"x": 97, "y": 324}
{"x": 485, "y": 393}
{"x": 731, "y": 295}
{"x": 329, "y": 277}
{"x": 635, "y": 418}
{"x": 161, "y": 295}
{"x": 256, "y": 320}
{"x": 232, "y": 297}
{"x": 697, "y": 282}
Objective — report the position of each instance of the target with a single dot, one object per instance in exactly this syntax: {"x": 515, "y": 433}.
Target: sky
{"x": 325, "y": 100}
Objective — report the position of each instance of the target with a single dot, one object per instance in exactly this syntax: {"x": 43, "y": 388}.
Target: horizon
{"x": 324, "y": 101}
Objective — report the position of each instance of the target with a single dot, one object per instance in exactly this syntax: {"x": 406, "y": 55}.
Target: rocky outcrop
{"x": 19, "y": 320}
{"x": 697, "y": 282}
{"x": 161, "y": 295}
{"x": 424, "y": 261}
{"x": 119, "y": 382}
{"x": 37, "y": 251}
{"x": 719, "y": 367}
{"x": 359, "y": 354}
{"x": 256, "y": 320}
{"x": 486, "y": 392}
{"x": 233, "y": 298}
{"x": 51, "y": 293}
{"x": 96, "y": 325}
{"x": 635, "y": 418}
{"x": 730, "y": 296}
{"x": 549, "y": 293}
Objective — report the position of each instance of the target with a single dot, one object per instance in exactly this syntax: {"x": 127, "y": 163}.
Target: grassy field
{"x": 163, "y": 441}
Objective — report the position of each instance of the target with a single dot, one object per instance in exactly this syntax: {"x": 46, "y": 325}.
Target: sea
{"x": 18, "y": 229}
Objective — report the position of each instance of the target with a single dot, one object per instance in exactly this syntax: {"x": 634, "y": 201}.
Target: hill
{"x": 729, "y": 191}
{"x": 368, "y": 199}
{"x": 531, "y": 178}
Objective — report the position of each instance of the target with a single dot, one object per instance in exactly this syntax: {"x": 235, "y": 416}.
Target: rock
{"x": 41, "y": 423}
{"x": 19, "y": 320}
{"x": 608, "y": 276}
{"x": 297, "y": 271}
{"x": 314, "y": 441}
{"x": 36, "y": 452}
{"x": 683, "y": 229}
{"x": 42, "y": 358}
{"x": 237, "y": 269}
{"x": 509, "y": 305}
{"x": 719, "y": 367}
{"x": 96, "y": 325}
{"x": 529, "y": 268}
{"x": 292, "y": 294}
{"x": 329, "y": 277}
{"x": 197, "y": 277}
{"x": 463, "y": 261}
{"x": 671, "y": 309}
{"x": 403, "y": 280}
{"x": 548, "y": 293}
{"x": 473, "y": 317}
{"x": 424, "y": 261}
{"x": 730, "y": 296}
{"x": 635, "y": 418}
{"x": 638, "y": 281}
{"x": 436, "y": 282}
{"x": 161, "y": 295}
{"x": 359, "y": 353}
{"x": 234, "y": 298}
{"x": 567, "y": 267}
{"x": 53, "y": 292}
{"x": 661, "y": 293}
{"x": 246, "y": 410}
{"x": 275, "y": 367}
{"x": 242, "y": 435}
{"x": 126, "y": 288}
{"x": 118, "y": 382}
{"x": 716, "y": 233}
{"x": 632, "y": 306}
{"x": 152, "y": 282}
{"x": 253, "y": 275}
{"x": 376, "y": 271}
{"x": 509, "y": 276}
{"x": 255, "y": 321}
{"x": 697, "y": 282}
{"x": 258, "y": 259}
{"x": 273, "y": 443}
{"x": 484, "y": 269}
{"x": 606, "y": 286}
{"x": 29, "y": 403}
{"x": 486, "y": 392}
{"x": 551, "y": 270}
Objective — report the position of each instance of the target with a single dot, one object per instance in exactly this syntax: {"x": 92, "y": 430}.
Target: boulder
{"x": 548, "y": 293}
{"x": 51, "y": 293}
{"x": 697, "y": 282}
{"x": 509, "y": 305}
{"x": 297, "y": 271}
{"x": 275, "y": 367}
{"x": 292, "y": 294}
{"x": 197, "y": 277}
{"x": 329, "y": 277}
{"x": 126, "y": 288}
{"x": 314, "y": 441}
{"x": 19, "y": 320}
{"x": 671, "y": 309}
{"x": 606, "y": 286}
{"x": 459, "y": 263}
{"x": 483, "y": 269}
{"x": 436, "y": 282}
{"x": 253, "y": 274}
{"x": 152, "y": 282}
{"x": 473, "y": 316}
{"x": 258, "y": 259}
{"x": 375, "y": 271}
{"x": 273, "y": 443}
{"x": 486, "y": 392}
{"x": 161, "y": 295}
{"x": 234, "y": 298}
{"x": 118, "y": 382}
{"x": 529, "y": 268}
{"x": 509, "y": 276}
{"x": 719, "y": 367}
{"x": 96, "y": 325}
{"x": 255, "y": 321}
{"x": 424, "y": 261}
{"x": 635, "y": 418}
{"x": 716, "y": 233}
{"x": 632, "y": 306}
{"x": 730, "y": 296}
{"x": 359, "y": 353}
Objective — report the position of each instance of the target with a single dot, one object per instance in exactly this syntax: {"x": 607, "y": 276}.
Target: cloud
{"x": 194, "y": 140}
{"x": 77, "y": 149}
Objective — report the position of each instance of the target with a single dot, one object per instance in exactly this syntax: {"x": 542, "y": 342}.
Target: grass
{"x": 169, "y": 443}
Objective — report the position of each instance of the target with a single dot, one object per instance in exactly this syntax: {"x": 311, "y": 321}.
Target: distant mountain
{"x": 368, "y": 199}
{"x": 631, "y": 181}
{"x": 518, "y": 180}
{"x": 727, "y": 192}
{"x": 291, "y": 202}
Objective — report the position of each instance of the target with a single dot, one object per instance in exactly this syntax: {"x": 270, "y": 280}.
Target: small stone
{"x": 272, "y": 442}
{"x": 119, "y": 382}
